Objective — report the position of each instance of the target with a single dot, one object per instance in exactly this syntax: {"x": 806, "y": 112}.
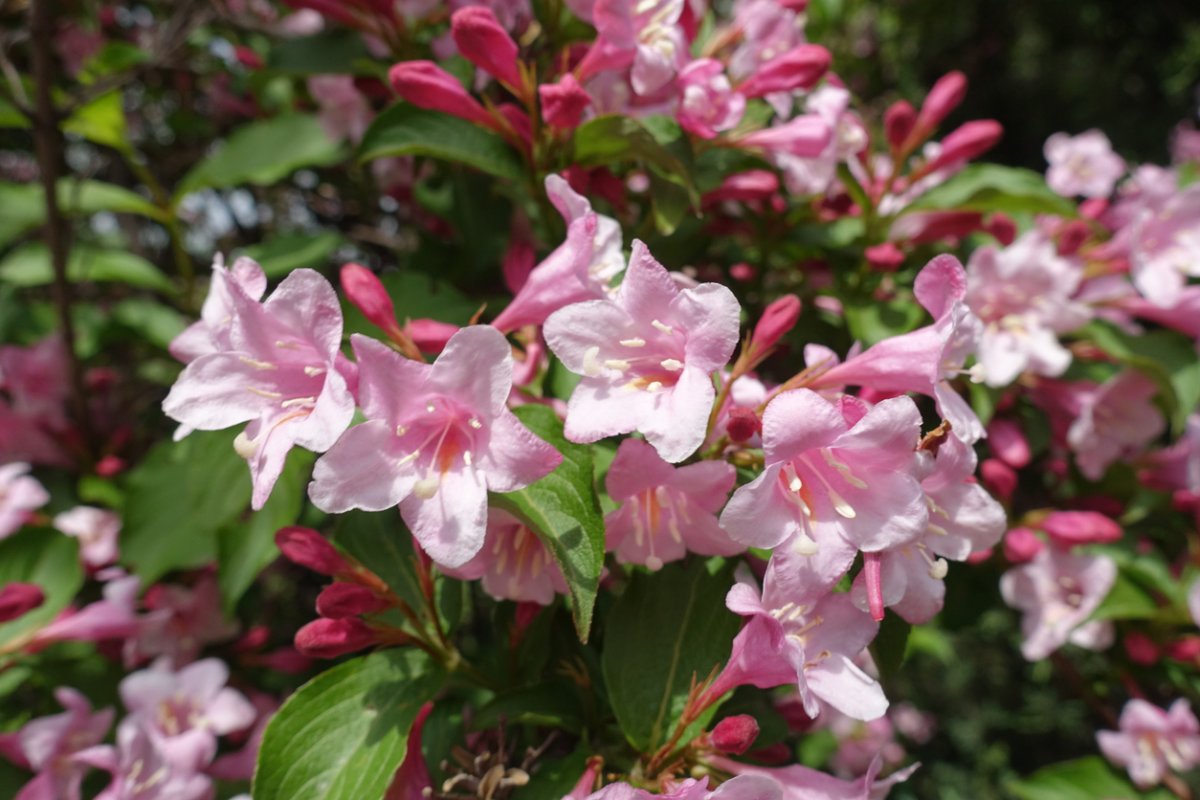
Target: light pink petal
{"x": 557, "y": 282}
{"x": 272, "y": 438}
{"x": 452, "y": 523}
{"x": 837, "y": 681}
{"x": 797, "y": 421}
{"x": 648, "y": 290}
{"x": 707, "y": 482}
{"x": 44, "y": 786}
{"x": 476, "y": 369}
{"x": 230, "y": 711}
{"x": 637, "y": 467}
{"x": 385, "y": 378}
{"x": 364, "y": 470}
{"x": 803, "y": 579}
{"x": 758, "y": 514}
{"x": 939, "y": 283}
{"x": 213, "y": 393}
{"x": 307, "y": 304}
{"x": 713, "y": 315}
{"x": 597, "y": 410}
{"x": 676, "y": 423}
{"x": 515, "y": 457}
{"x": 330, "y": 416}
{"x": 572, "y": 331}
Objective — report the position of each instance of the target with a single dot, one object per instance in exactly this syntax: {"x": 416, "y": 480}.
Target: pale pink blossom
{"x": 1116, "y": 422}
{"x": 181, "y": 621}
{"x": 708, "y": 105}
{"x": 281, "y": 375}
{"x": 1165, "y": 248}
{"x": 747, "y": 787}
{"x": 644, "y": 36}
{"x": 1193, "y": 601}
{"x": 343, "y": 111}
{"x": 647, "y": 356}
{"x": 514, "y": 563}
{"x": 666, "y": 511}
{"x": 141, "y": 771}
{"x": 20, "y": 495}
{"x": 1082, "y": 165}
{"x": 1152, "y": 742}
{"x": 211, "y": 333}
{"x": 769, "y": 29}
{"x": 1057, "y": 592}
{"x": 817, "y": 173}
{"x": 801, "y": 783}
{"x": 437, "y": 439}
{"x": 114, "y": 616}
{"x": 49, "y": 745}
{"x": 96, "y": 529}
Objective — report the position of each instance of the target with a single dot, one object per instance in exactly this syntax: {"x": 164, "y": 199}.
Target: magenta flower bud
{"x": 798, "y": 68}
{"x": 748, "y": 186}
{"x": 1003, "y": 228}
{"x": 743, "y": 424}
{"x": 366, "y": 292}
{"x": 18, "y": 599}
{"x": 944, "y": 97}
{"x": 999, "y": 478}
{"x": 306, "y": 547}
{"x": 734, "y": 735}
{"x": 898, "y": 122}
{"x": 885, "y": 257}
{"x": 969, "y": 140}
{"x": 483, "y": 42}
{"x": 778, "y": 318}
{"x": 563, "y": 103}
{"x": 330, "y": 638}
{"x": 1081, "y": 527}
{"x": 1008, "y": 443}
{"x": 342, "y": 600}
{"x": 806, "y": 137}
{"x": 426, "y": 85}
{"x": 1021, "y": 545}
{"x": 1141, "y": 649}
{"x": 1071, "y": 237}
{"x": 429, "y": 335}
{"x": 1185, "y": 649}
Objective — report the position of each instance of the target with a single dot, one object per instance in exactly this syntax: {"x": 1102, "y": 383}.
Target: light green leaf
{"x": 10, "y": 117}
{"x": 23, "y": 205}
{"x": 405, "y": 130}
{"x": 263, "y": 153}
{"x": 281, "y": 254}
{"x": 563, "y": 509}
{"x": 101, "y": 121}
{"x": 992, "y": 187}
{"x": 665, "y": 631}
{"x": 343, "y": 735}
{"x": 873, "y": 321}
{"x": 1126, "y": 600}
{"x": 29, "y": 265}
{"x": 154, "y": 322}
{"x": 1087, "y": 778}
{"x": 45, "y": 557}
{"x": 1169, "y": 358}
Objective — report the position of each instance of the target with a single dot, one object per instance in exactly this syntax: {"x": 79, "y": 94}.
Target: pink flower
{"x": 513, "y": 563}
{"x": 96, "y": 529}
{"x": 344, "y": 112}
{"x": 1152, "y": 741}
{"x": 747, "y": 787}
{"x": 184, "y": 712}
{"x": 805, "y": 136}
{"x": 182, "y": 621}
{"x": 1023, "y": 294}
{"x": 211, "y": 333}
{"x": 1165, "y": 248}
{"x": 831, "y": 482}
{"x": 49, "y": 744}
{"x": 666, "y": 511}
{"x": 437, "y": 439}
{"x": 798, "y": 68}
{"x": 1058, "y": 591}
{"x": 20, "y": 494}
{"x": 769, "y": 30}
{"x": 482, "y": 41}
{"x": 647, "y": 356}
{"x": 1082, "y": 165}
{"x": 944, "y": 96}
{"x": 708, "y": 104}
{"x": 280, "y": 375}
{"x": 645, "y": 35}
{"x": 802, "y": 783}
{"x": 1116, "y": 422}
{"x": 114, "y": 616}
{"x": 18, "y": 599}
{"x": 1069, "y": 528}
{"x": 134, "y": 760}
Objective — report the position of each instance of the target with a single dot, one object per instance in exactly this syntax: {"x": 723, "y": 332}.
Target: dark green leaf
{"x": 667, "y": 630}
{"x": 550, "y": 704}
{"x": 380, "y": 540}
{"x": 405, "y": 130}
{"x": 335, "y": 52}
{"x": 47, "y": 558}
{"x": 990, "y": 188}
{"x": 562, "y": 508}
{"x": 553, "y": 779}
{"x": 29, "y": 265}
{"x": 1165, "y": 356}
{"x": 1087, "y": 778}
{"x": 890, "y": 645}
{"x": 344, "y": 733}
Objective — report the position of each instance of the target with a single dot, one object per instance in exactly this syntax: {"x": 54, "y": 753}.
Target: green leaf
{"x": 10, "y": 117}
{"x": 553, "y": 779}
{"x": 153, "y": 322}
{"x": 281, "y": 254}
{"x": 873, "y": 321}
{"x": 991, "y": 187}
{"x": 335, "y": 52}
{"x": 263, "y": 153}
{"x": 1165, "y": 356}
{"x": 667, "y": 630}
{"x": 29, "y": 265}
{"x": 343, "y": 735}
{"x": 244, "y": 548}
{"x": 177, "y": 499}
{"x": 1087, "y": 778}
{"x": 24, "y": 204}
{"x": 563, "y": 509}
{"x": 1126, "y": 600}
{"x": 47, "y": 558}
{"x": 405, "y": 130}
{"x": 101, "y": 121}
{"x": 415, "y": 295}
{"x": 890, "y": 645}
{"x": 380, "y": 540}
{"x": 115, "y": 56}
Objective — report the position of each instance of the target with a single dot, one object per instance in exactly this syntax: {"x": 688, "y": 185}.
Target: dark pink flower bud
{"x": 110, "y": 466}
{"x": 248, "y": 58}
{"x": 1071, "y": 237}
{"x": 426, "y": 85}
{"x": 330, "y": 638}
{"x": 734, "y": 735}
{"x": 18, "y": 599}
{"x": 743, "y": 272}
{"x": 898, "y": 122}
{"x": 563, "y": 103}
{"x": 798, "y": 68}
{"x": 743, "y": 424}
{"x": 1008, "y": 442}
{"x": 885, "y": 257}
{"x": 777, "y": 319}
{"x": 341, "y": 600}
{"x": 944, "y": 97}
{"x": 1081, "y": 527}
{"x": 979, "y": 556}
{"x": 1141, "y": 649}
{"x": 484, "y": 42}
{"x": 969, "y": 140}
{"x": 1021, "y": 545}
{"x": 306, "y": 547}
{"x": 429, "y": 335}
{"x": 1186, "y": 649}
{"x": 748, "y": 186}
{"x": 367, "y": 293}
{"x": 1002, "y": 228}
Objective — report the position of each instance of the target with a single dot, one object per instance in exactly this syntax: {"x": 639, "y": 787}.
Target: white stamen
{"x": 475, "y": 423}
{"x": 254, "y": 362}
{"x": 939, "y": 569}
{"x": 671, "y": 364}
{"x": 795, "y": 483}
{"x": 313, "y": 372}
{"x": 843, "y": 470}
{"x": 264, "y": 393}
{"x": 401, "y": 430}
{"x": 298, "y": 401}
{"x": 620, "y": 365}
{"x": 634, "y": 342}
{"x": 840, "y": 505}
{"x": 408, "y": 459}
{"x": 244, "y": 446}
{"x": 804, "y": 545}
{"x": 654, "y": 386}
{"x": 430, "y": 407}
{"x": 591, "y": 362}
{"x": 467, "y": 458}
{"x": 667, "y": 329}
{"x": 654, "y": 563}
{"x": 426, "y": 487}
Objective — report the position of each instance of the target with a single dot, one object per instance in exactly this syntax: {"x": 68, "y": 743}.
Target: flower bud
{"x": 367, "y": 293}
{"x": 898, "y": 122}
{"x": 1021, "y": 545}
{"x": 1186, "y": 649}
{"x": 1071, "y": 237}
{"x": 342, "y": 600}
{"x": 1081, "y": 527}
{"x": 748, "y": 186}
{"x": 743, "y": 424}
{"x": 1008, "y": 443}
{"x": 482, "y": 41}
{"x": 968, "y": 141}
{"x": 734, "y": 735}
{"x": 1141, "y": 649}
{"x": 1002, "y": 228}
{"x": 18, "y": 599}
{"x": 885, "y": 257}
{"x": 330, "y": 638}
{"x": 944, "y": 97}
{"x": 519, "y": 260}
{"x": 426, "y": 85}
{"x": 798, "y": 68}
{"x": 806, "y": 137}
{"x": 306, "y": 547}
{"x": 429, "y": 335}
{"x": 563, "y": 103}
{"x": 777, "y": 319}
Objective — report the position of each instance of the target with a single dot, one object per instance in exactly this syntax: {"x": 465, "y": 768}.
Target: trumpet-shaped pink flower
{"x": 141, "y": 771}
{"x": 20, "y": 495}
{"x": 746, "y": 787}
{"x": 1115, "y": 423}
{"x": 96, "y": 529}
{"x": 182, "y": 620}
{"x": 708, "y": 104}
{"x": 211, "y": 333}
{"x": 1023, "y": 294}
{"x": 437, "y": 439}
{"x": 1082, "y": 165}
{"x": 1058, "y": 591}
{"x": 280, "y": 375}
{"x": 643, "y": 35}
{"x": 801, "y": 783}
{"x": 513, "y": 563}
{"x": 1165, "y": 248}
{"x": 666, "y": 511}
{"x": 832, "y": 482}
{"x": 184, "y": 712}
{"x": 1152, "y": 742}
{"x": 49, "y": 745}
{"x": 647, "y": 356}
{"x": 114, "y": 616}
